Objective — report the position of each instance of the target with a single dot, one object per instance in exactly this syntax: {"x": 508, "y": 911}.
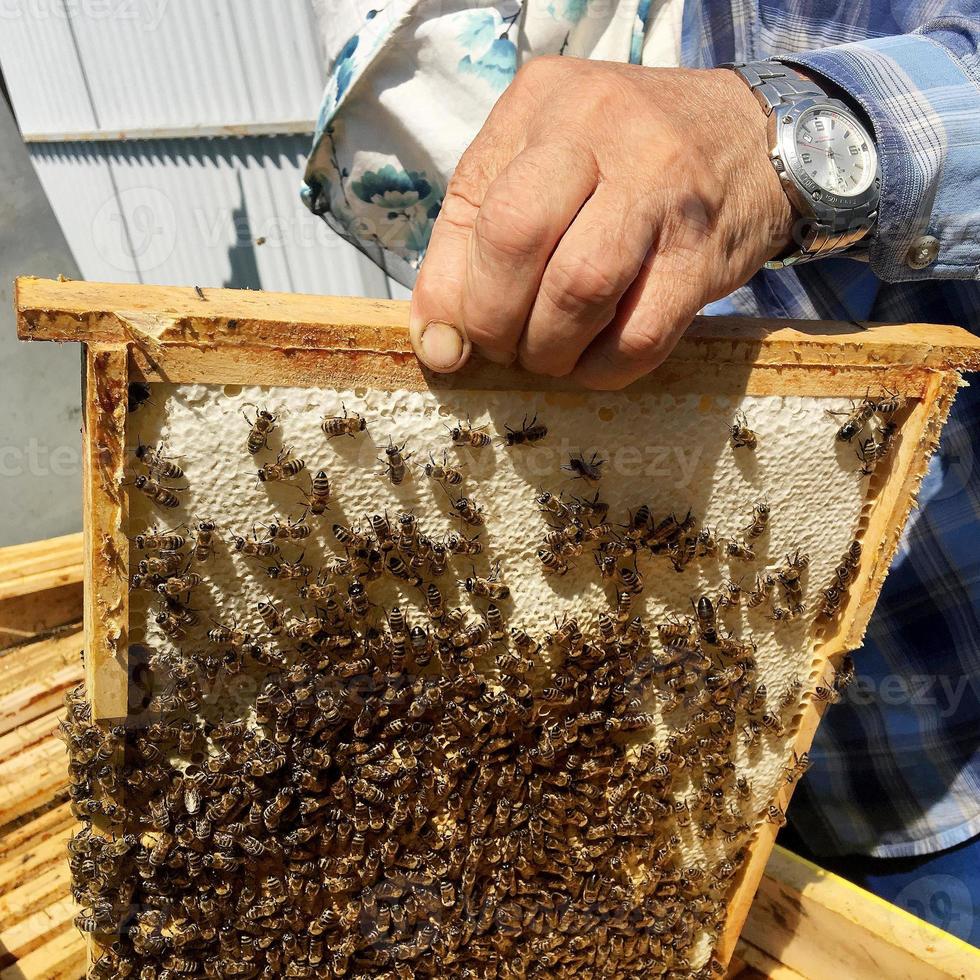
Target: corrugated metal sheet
{"x": 78, "y": 183}
{"x": 42, "y": 69}
{"x": 119, "y": 65}
{"x": 190, "y": 212}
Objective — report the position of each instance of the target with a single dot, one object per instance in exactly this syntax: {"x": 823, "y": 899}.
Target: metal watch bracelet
{"x": 775, "y": 85}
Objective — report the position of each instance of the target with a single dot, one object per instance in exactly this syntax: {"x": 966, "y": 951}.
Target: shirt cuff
{"x": 924, "y": 106}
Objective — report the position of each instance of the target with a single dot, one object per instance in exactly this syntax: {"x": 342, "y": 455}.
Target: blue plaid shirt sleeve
{"x": 921, "y": 92}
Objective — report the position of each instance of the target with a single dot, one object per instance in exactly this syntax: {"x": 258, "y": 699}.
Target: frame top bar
{"x": 114, "y": 313}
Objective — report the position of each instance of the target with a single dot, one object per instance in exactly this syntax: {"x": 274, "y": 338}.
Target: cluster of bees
{"x": 423, "y": 790}
{"x": 874, "y": 420}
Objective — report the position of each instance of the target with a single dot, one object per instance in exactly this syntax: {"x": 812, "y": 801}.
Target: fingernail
{"x": 442, "y": 346}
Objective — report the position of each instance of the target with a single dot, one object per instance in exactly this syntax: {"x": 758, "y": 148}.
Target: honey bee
{"x": 668, "y": 531}
{"x": 229, "y": 636}
{"x": 606, "y": 564}
{"x": 764, "y": 585}
{"x": 350, "y": 536}
{"x": 255, "y": 548}
{"x": 801, "y": 763}
{"x": 872, "y": 451}
{"x": 421, "y": 646}
{"x": 442, "y": 472}
{"x": 395, "y": 460}
{"x": 554, "y": 505}
{"x": 740, "y": 550}
{"x": 776, "y": 815}
{"x": 856, "y": 420}
{"x": 289, "y": 570}
{"x": 359, "y": 605}
{"x": 772, "y": 723}
{"x": 468, "y": 511}
{"x": 830, "y": 601}
{"x": 271, "y": 616}
{"x": 553, "y": 562}
{"x": 319, "y": 496}
{"x": 528, "y": 432}
{"x": 399, "y": 569}
{"x": 466, "y": 435}
{"x": 488, "y": 588}
{"x": 290, "y": 531}
{"x": 584, "y": 469}
{"x": 631, "y": 579}
{"x": 705, "y": 620}
{"x": 153, "y": 540}
{"x": 731, "y": 595}
{"x": 164, "y": 563}
{"x": 171, "y": 622}
{"x": 682, "y": 553}
{"x": 259, "y": 430}
{"x": 845, "y": 673}
{"x": 204, "y": 544}
{"x": 760, "y": 521}
{"x": 284, "y": 468}
{"x": 157, "y": 465}
{"x": 889, "y": 403}
{"x": 741, "y": 436}
{"x": 460, "y": 545}
{"x": 163, "y": 496}
{"x": 706, "y": 544}
{"x": 179, "y": 584}
{"x": 343, "y": 425}
{"x": 828, "y": 695}
{"x": 137, "y": 394}
{"x": 791, "y": 694}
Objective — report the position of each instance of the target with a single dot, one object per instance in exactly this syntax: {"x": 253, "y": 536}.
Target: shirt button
{"x": 922, "y": 252}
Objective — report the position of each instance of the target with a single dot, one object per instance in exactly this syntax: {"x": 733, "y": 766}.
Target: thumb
{"x": 435, "y": 325}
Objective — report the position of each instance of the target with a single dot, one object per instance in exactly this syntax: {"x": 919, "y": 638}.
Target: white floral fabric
{"x": 411, "y": 83}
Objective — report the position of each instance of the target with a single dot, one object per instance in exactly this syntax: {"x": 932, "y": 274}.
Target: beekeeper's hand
{"x": 598, "y": 209}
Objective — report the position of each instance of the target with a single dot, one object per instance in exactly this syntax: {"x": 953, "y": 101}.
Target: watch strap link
{"x": 775, "y": 84}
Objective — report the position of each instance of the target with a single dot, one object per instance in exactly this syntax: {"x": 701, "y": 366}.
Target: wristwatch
{"x": 826, "y": 159}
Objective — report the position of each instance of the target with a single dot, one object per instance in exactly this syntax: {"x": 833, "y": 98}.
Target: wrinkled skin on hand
{"x": 597, "y": 210}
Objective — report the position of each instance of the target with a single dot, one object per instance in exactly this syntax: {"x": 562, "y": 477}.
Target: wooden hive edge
{"x": 158, "y": 316}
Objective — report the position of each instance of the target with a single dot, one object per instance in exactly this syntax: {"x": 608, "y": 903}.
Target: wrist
{"x": 763, "y": 203}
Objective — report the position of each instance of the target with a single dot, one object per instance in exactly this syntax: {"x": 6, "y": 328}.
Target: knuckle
{"x": 580, "y": 284}
{"x": 508, "y": 230}
{"x": 543, "y": 66}
{"x": 462, "y": 198}
{"x": 642, "y": 344}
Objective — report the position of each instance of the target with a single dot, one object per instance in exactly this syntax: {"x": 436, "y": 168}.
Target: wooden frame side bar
{"x": 106, "y": 547}
{"x": 156, "y": 316}
{"x": 920, "y": 434}
{"x": 827, "y": 928}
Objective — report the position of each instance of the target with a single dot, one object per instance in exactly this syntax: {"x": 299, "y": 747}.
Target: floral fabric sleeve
{"x": 408, "y": 90}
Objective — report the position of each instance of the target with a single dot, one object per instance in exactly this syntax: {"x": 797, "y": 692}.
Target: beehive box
{"x": 564, "y": 755}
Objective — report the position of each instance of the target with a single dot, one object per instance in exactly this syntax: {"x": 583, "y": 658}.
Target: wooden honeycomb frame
{"x": 181, "y": 335}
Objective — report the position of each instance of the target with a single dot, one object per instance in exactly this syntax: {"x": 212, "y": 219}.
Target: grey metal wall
{"x": 40, "y": 454}
{"x": 170, "y": 138}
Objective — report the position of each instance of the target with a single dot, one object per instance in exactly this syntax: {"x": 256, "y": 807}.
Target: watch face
{"x": 835, "y": 151}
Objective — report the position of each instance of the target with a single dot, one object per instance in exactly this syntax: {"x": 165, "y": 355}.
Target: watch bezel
{"x": 806, "y": 194}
